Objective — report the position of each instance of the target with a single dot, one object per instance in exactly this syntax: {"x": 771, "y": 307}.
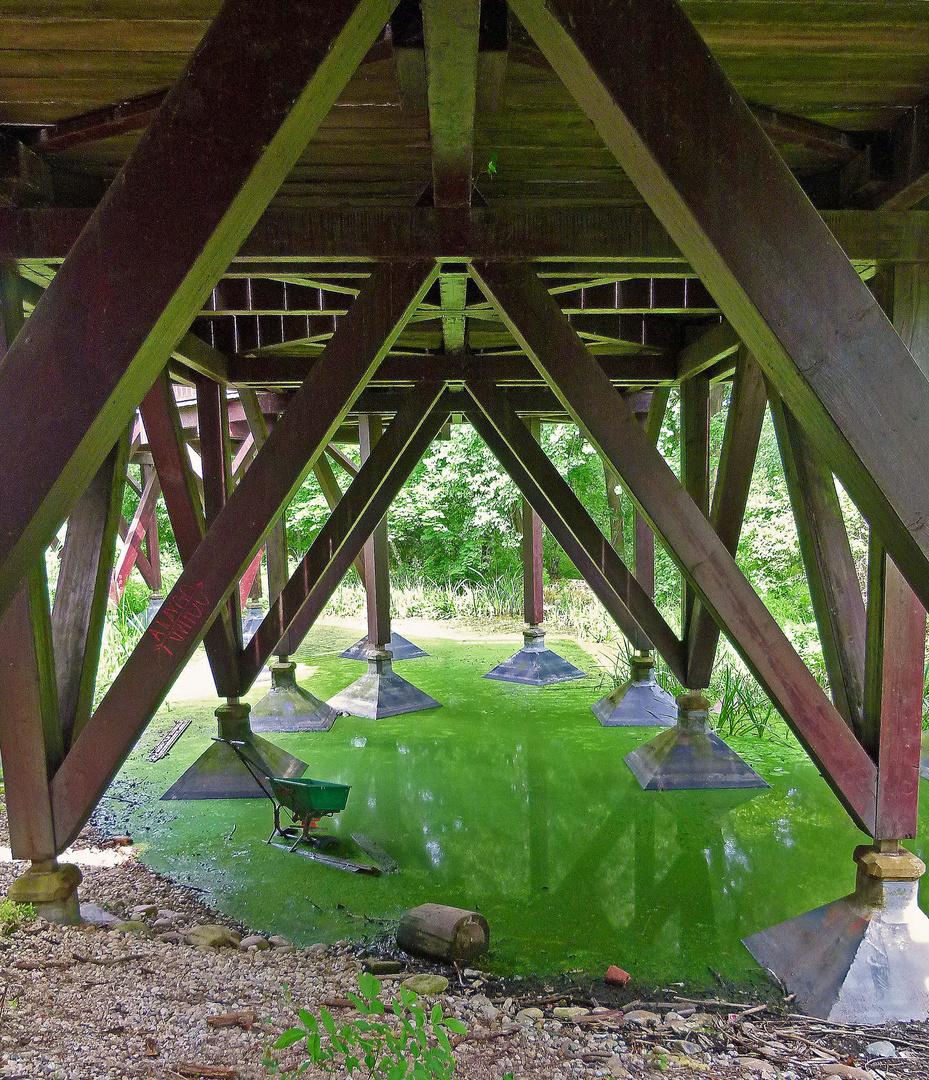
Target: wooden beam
{"x": 451, "y": 81}
{"x": 332, "y": 493}
{"x": 695, "y": 470}
{"x": 830, "y": 566}
{"x": 802, "y": 309}
{"x": 705, "y": 352}
{"x": 202, "y": 359}
{"x": 376, "y": 553}
{"x": 258, "y": 85}
{"x": 30, "y": 732}
{"x": 83, "y": 589}
{"x": 566, "y": 519}
{"x": 894, "y": 695}
{"x": 621, "y": 235}
{"x": 533, "y": 577}
{"x": 185, "y": 510}
{"x": 909, "y": 148}
{"x": 342, "y": 538}
{"x": 539, "y": 326}
{"x": 139, "y": 527}
{"x": 216, "y": 458}
{"x": 364, "y": 337}
{"x": 730, "y": 497}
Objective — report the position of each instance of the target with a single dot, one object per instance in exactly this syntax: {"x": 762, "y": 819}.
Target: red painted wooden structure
{"x": 432, "y": 210}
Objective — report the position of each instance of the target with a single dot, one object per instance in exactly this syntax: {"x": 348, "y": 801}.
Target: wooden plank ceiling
{"x": 835, "y": 83}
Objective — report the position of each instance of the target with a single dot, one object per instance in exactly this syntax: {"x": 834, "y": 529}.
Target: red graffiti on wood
{"x": 179, "y": 617}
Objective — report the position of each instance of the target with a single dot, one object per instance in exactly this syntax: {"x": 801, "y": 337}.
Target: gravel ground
{"x": 93, "y": 1002}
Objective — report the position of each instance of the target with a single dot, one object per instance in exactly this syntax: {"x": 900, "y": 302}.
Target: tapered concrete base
{"x": 251, "y": 620}
{"x": 400, "y": 648}
{"x": 535, "y": 664}
{"x": 220, "y": 773}
{"x": 288, "y": 707}
{"x": 639, "y": 701}
{"x": 381, "y": 692}
{"x": 689, "y": 756}
{"x": 154, "y": 606}
{"x": 863, "y": 959}
{"x": 51, "y": 888}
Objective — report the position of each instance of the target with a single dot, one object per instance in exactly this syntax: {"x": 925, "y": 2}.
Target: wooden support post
{"x": 802, "y": 309}
{"x": 537, "y": 323}
{"x": 896, "y": 638}
{"x": 830, "y": 566}
{"x": 533, "y": 600}
{"x": 31, "y": 743}
{"x": 570, "y": 524}
{"x": 140, "y": 527}
{"x": 376, "y": 550}
{"x": 185, "y": 510}
{"x": 730, "y": 497}
{"x": 216, "y": 457}
{"x": 83, "y": 590}
{"x": 31, "y": 740}
{"x": 332, "y": 493}
{"x": 152, "y": 539}
{"x": 363, "y": 337}
{"x": 695, "y": 467}
{"x": 259, "y": 83}
{"x": 351, "y": 522}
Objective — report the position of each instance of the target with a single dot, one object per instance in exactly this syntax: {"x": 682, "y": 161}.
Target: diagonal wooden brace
{"x": 567, "y": 520}
{"x": 351, "y": 522}
{"x": 254, "y": 92}
{"x": 663, "y": 105}
{"x": 540, "y": 327}
{"x": 363, "y": 338}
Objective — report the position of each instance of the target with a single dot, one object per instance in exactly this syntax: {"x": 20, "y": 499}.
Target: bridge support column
{"x": 221, "y": 773}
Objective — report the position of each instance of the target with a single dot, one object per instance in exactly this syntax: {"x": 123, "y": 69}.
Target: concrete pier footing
{"x": 51, "y": 888}
{"x": 220, "y": 772}
{"x": 288, "y": 707}
{"x": 863, "y": 959}
{"x": 399, "y": 647}
{"x": 639, "y": 701}
{"x": 689, "y": 756}
{"x": 381, "y": 692}
{"x": 535, "y": 664}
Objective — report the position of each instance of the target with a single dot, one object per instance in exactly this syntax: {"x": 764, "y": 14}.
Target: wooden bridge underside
{"x": 497, "y": 213}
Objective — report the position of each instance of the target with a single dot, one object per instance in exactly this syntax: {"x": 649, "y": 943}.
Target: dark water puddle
{"x": 515, "y": 802}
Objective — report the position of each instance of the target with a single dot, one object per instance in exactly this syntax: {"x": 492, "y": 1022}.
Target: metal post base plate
{"x": 535, "y": 664}
{"x": 636, "y": 703}
{"x": 863, "y": 959}
{"x": 400, "y": 649}
{"x": 690, "y": 757}
{"x": 219, "y": 772}
{"x": 288, "y": 707}
{"x": 381, "y": 692}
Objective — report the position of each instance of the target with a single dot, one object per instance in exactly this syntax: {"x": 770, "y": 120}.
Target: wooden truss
{"x": 801, "y": 329}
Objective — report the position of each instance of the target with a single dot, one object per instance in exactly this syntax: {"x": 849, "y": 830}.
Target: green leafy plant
{"x": 391, "y": 1040}
{"x": 13, "y": 916}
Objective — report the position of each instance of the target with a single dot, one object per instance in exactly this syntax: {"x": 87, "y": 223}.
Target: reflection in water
{"x": 516, "y": 802}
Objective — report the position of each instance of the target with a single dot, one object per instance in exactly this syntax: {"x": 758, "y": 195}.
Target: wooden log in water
{"x": 444, "y": 933}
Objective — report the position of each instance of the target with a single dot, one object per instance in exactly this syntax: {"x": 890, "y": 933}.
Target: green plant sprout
{"x": 412, "y": 1044}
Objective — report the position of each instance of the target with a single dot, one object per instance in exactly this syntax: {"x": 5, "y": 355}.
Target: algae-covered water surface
{"x": 512, "y": 801}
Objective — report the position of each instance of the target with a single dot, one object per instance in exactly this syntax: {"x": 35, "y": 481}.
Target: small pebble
{"x": 881, "y": 1048}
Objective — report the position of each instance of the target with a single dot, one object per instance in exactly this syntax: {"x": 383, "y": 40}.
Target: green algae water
{"x": 515, "y": 802}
